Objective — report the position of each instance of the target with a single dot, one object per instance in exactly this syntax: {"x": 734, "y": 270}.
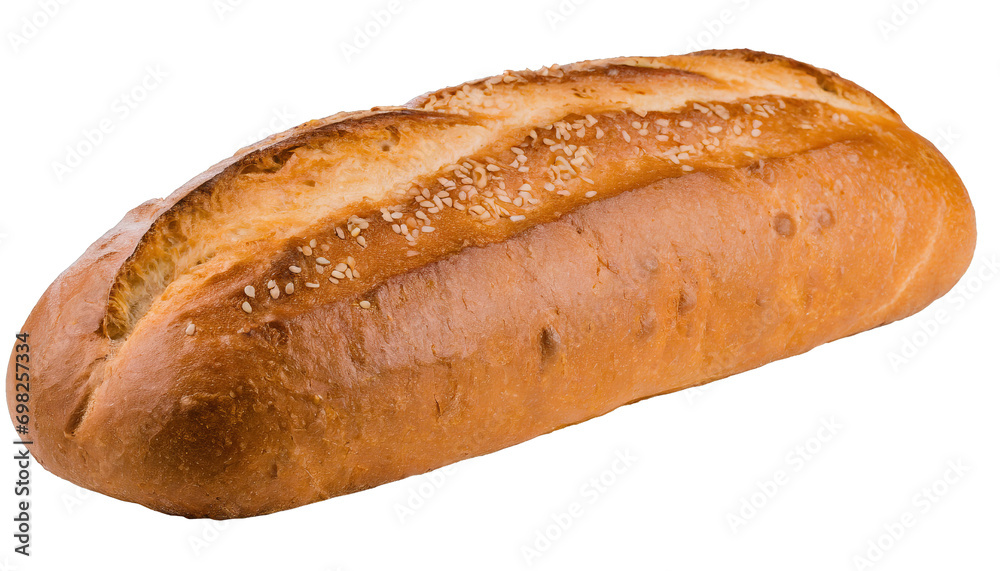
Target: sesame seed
{"x": 270, "y": 284}
{"x": 492, "y": 168}
{"x": 340, "y": 267}
{"x": 636, "y": 125}
{"x": 517, "y": 218}
{"x": 295, "y": 269}
{"x": 737, "y": 129}
{"x": 312, "y": 285}
{"x": 757, "y": 123}
{"x": 190, "y": 329}
{"x": 563, "y": 193}
{"x": 600, "y": 132}
{"x": 356, "y": 231}
{"x": 334, "y": 280}
{"x": 312, "y": 243}
{"x": 350, "y": 262}
{"x": 517, "y": 151}
{"x": 590, "y": 194}
{"x": 686, "y": 124}
{"x": 319, "y": 269}
{"x": 246, "y": 307}
{"x": 714, "y": 129}
{"x": 397, "y": 215}
{"x": 275, "y": 292}
{"x": 323, "y": 261}
{"x": 307, "y": 250}
{"x": 755, "y": 133}
{"x": 365, "y": 304}
{"x": 250, "y": 291}
{"x": 747, "y": 108}
{"x": 362, "y": 241}
{"x": 426, "y": 228}
{"x": 289, "y": 288}
{"x": 340, "y": 233}
{"x": 626, "y": 136}
{"x": 339, "y": 274}
{"x": 411, "y": 253}
{"x": 687, "y": 168}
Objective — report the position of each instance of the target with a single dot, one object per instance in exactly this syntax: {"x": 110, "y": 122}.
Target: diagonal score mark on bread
{"x": 654, "y": 118}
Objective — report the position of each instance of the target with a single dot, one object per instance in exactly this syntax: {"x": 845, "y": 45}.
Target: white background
{"x": 234, "y": 73}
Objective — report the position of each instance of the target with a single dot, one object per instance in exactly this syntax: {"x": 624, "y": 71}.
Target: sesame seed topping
{"x": 307, "y": 250}
{"x": 362, "y": 241}
{"x": 289, "y": 288}
{"x": 517, "y": 218}
{"x": 365, "y": 304}
{"x": 755, "y": 133}
{"x": 312, "y": 243}
{"x": 687, "y": 168}
{"x": 323, "y": 261}
{"x": 295, "y": 269}
{"x": 275, "y": 292}
{"x": 246, "y": 307}
{"x": 270, "y": 284}
{"x": 190, "y": 329}
{"x": 312, "y": 284}
{"x": 590, "y": 194}
{"x": 350, "y": 262}
{"x": 340, "y": 267}
{"x": 250, "y": 291}
{"x": 686, "y": 124}
{"x": 714, "y": 129}
{"x": 625, "y": 135}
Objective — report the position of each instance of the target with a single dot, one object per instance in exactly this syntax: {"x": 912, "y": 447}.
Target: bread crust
{"x": 833, "y": 219}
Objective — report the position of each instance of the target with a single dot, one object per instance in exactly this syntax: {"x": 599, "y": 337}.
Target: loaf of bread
{"x": 377, "y": 294}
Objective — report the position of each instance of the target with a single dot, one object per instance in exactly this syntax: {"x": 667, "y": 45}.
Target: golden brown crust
{"x": 589, "y": 235}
